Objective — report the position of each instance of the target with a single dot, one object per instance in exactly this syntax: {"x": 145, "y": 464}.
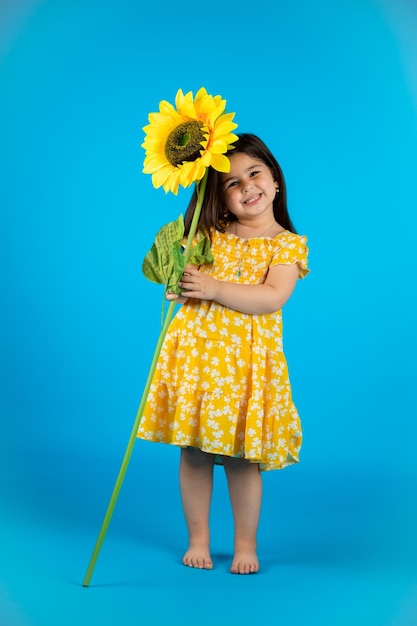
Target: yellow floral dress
{"x": 221, "y": 383}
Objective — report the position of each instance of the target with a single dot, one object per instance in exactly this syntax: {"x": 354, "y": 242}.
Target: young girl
{"x": 221, "y": 389}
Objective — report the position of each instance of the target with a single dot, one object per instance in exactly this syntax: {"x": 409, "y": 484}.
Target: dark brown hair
{"x": 213, "y": 209}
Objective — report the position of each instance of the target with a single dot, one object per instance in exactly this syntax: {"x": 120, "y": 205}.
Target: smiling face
{"x": 249, "y": 188}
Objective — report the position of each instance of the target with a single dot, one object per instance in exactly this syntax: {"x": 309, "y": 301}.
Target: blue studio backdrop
{"x": 331, "y": 87}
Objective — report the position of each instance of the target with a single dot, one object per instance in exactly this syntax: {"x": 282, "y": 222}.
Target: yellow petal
{"x": 160, "y": 177}
{"x": 153, "y": 162}
{"x": 172, "y": 183}
{"x": 189, "y": 173}
{"x": 220, "y": 163}
{"x": 200, "y": 94}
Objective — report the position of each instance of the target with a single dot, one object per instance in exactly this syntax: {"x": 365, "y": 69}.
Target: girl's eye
{"x": 254, "y": 173}
{"x": 232, "y": 184}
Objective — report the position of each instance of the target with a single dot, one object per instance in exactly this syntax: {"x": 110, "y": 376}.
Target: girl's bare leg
{"x": 196, "y": 484}
{"x": 245, "y": 490}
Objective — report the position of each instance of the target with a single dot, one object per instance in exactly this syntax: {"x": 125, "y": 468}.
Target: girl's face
{"x": 249, "y": 188}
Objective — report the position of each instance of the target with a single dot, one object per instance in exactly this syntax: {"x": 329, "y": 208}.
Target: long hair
{"x": 213, "y": 209}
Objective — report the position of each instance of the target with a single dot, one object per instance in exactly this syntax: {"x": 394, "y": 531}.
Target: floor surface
{"x": 334, "y": 550}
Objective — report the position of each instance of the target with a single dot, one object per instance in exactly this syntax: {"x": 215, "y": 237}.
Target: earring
{"x": 225, "y": 220}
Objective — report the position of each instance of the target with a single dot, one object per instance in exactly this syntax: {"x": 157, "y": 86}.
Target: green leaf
{"x": 158, "y": 264}
{"x": 200, "y": 254}
{"x": 164, "y": 263}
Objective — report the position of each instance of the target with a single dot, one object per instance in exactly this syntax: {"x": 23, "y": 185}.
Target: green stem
{"x": 123, "y": 468}
{"x": 128, "y": 453}
{"x": 201, "y": 188}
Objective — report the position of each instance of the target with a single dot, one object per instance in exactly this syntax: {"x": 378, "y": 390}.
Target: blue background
{"x": 332, "y": 89}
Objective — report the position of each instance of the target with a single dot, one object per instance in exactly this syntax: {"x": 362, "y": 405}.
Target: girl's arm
{"x": 254, "y": 299}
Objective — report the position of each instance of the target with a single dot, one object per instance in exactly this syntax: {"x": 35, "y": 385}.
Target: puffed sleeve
{"x": 291, "y": 248}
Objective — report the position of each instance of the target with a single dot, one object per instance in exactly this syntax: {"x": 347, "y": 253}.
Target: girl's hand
{"x": 197, "y": 285}
{"x": 170, "y": 295}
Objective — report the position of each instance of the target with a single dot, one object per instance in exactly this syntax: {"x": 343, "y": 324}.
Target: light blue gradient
{"x": 332, "y": 89}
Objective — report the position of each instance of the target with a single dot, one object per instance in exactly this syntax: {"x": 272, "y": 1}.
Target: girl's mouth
{"x": 252, "y": 199}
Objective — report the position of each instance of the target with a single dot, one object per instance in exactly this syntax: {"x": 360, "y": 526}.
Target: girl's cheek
{"x": 230, "y": 197}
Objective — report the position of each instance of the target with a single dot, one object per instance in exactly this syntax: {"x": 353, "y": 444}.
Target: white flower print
{"x": 221, "y": 375}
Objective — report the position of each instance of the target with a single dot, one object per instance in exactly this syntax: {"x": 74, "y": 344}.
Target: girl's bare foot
{"x": 198, "y": 556}
{"x": 245, "y": 561}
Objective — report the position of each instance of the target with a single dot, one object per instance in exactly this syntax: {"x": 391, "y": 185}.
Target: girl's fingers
{"x": 186, "y": 280}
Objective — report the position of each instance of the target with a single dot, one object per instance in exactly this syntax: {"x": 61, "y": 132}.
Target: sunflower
{"x": 182, "y": 142}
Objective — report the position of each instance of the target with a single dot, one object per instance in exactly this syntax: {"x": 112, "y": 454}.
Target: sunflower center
{"x": 184, "y": 142}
